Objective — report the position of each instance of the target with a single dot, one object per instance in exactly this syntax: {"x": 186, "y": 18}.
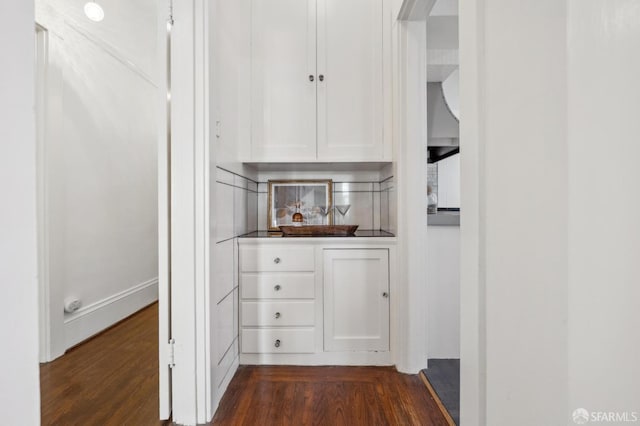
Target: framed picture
{"x": 311, "y": 198}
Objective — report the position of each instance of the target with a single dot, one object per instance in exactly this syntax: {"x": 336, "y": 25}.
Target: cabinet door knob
{"x": 277, "y": 287}
{"x": 277, "y": 344}
{"x": 321, "y": 77}
{"x": 311, "y": 78}
{"x": 277, "y": 315}
{"x": 385, "y": 295}
{"x": 276, "y": 260}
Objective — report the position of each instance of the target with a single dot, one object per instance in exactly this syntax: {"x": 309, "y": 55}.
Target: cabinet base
{"x": 324, "y": 358}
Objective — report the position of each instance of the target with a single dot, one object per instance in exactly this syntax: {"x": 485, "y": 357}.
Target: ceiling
{"x": 442, "y": 40}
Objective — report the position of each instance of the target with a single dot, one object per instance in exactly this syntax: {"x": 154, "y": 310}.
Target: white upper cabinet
{"x": 283, "y": 77}
{"x": 350, "y": 83}
{"x": 320, "y": 81}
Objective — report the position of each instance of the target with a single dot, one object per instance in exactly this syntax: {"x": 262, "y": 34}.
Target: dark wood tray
{"x": 318, "y": 230}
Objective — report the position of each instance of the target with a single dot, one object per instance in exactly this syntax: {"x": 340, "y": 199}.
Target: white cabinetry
{"x": 320, "y": 81}
{"x": 277, "y": 311}
{"x": 315, "y": 301}
{"x": 283, "y": 55}
{"x": 356, "y": 300}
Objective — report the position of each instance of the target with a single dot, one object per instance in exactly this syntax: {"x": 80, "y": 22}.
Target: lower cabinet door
{"x": 278, "y": 340}
{"x": 356, "y": 300}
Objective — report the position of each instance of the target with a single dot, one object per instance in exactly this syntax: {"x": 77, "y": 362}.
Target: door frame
{"x": 410, "y": 171}
{"x": 412, "y": 17}
{"x": 48, "y": 131}
{"x": 191, "y": 386}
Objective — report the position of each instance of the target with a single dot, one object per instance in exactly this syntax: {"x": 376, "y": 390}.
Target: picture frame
{"x": 312, "y": 194}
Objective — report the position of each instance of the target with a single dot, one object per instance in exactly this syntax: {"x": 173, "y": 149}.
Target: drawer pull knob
{"x": 276, "y": 260}
{"x": 277, "y": 344}
{"x": 277, "y": 315}
{"x": 277, "y": 287}
{"x": 385, "y": 295}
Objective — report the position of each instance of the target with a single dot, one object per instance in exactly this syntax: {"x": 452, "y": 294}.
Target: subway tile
{"x": 224, "y": 211}
{"x": 352, "y": 186}
{"x": 240, "y": 181}
{"x": 387, "y": 184}
{"x": 223, "y": 369}
{"x": 224, "y": 176}
{"x": 239, "y": 207}
{"x": 236, "y": 314}
{"x": 393, "y": 208}
{"x": 376, "y": 210}
{"x": 360, "y": 212}
{"x": 223, "y": 276}
{"x": 224, "y": 326}
{"x": 262, "y": 211}
{"x": 252, "y": 211}
{"x": 384, "y": 210}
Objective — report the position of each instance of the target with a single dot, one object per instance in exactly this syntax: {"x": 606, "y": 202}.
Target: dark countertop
{"x": 365, "y": 233}
{"x": 444, "y": 218}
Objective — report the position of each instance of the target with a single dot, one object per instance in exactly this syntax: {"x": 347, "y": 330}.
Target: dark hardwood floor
{"x": 111, "y": 379}
{"x": 332, "y": 396}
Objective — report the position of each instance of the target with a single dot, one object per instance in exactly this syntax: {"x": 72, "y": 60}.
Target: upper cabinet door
{"x": 351, "y": 111}
{"x": 283, "y": 80}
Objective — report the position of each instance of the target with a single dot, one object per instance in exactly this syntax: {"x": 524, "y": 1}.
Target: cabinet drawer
{"x": 278, "y": 340}
{"x": 261, "y": 314}
{"x": 277, "y": 259}
{"x": 278, "y": 285}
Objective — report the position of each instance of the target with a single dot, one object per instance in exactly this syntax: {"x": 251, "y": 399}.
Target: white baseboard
{"x": 94, "y": 318}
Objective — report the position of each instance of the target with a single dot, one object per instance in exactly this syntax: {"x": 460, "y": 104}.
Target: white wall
{"x": 604, "y": 272}
{"x": 102, "y": 171}
{"x": 515, "y": 305}
{"x": 553, "y": 282}
{"x": 449, "y": 182}
{"x": 19, "y": 387}
{"x": 443, "y": 292}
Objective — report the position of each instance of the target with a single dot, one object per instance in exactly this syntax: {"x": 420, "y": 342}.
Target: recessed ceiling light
{"x": 94, "y": 11}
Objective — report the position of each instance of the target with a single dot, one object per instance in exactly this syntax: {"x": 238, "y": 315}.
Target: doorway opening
{"x": 102, "y": 172}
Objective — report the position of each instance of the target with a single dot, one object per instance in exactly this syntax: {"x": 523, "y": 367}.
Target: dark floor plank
{"x": 287, "y": 395}
{"x": 111, "y": 379}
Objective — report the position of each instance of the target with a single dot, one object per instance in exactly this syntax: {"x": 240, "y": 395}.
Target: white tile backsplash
{"x": 224, "y": 176}
{"x": 361, "y": 211}
{"x": 384, "y": 210}
{"x": 252, "y": 211}
{"x": 376, "y": 210}
{"x": 352, "y": 186}
{"x": 224, "y": 325}
{"x": 241, "y": 201}
{"x": 262, "y": 211}
{"x": 223, "y": 269}
{"x": 369, "y": 201}
{"x": 224, "y": 211}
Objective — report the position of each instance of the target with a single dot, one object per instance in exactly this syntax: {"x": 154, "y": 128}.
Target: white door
{"x": 283, "y": 80}
{"x": 350, "y": 80}
{"x": 356, "y": 300}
